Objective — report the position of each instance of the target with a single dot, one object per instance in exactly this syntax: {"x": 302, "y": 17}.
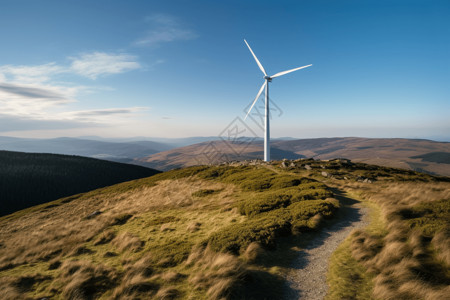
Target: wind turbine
{"x": 267, "y": 79}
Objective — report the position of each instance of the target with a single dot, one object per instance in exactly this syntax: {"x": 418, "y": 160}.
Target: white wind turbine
{"x": 267, "y": 79}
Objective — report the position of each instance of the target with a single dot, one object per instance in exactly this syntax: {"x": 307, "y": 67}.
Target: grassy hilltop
{"x": 228, "y": 231}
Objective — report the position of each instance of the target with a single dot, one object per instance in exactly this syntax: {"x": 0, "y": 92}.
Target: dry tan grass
{"x": 42, "y": 240}
{"x": 253, "y": 252}
{"x": 441, "y": 243}
{"x": 407, "y": 264}
{"x": 136, "y": 281}
{"x": 83, "y": 280}
{"x": 110, "y": 244}
{"x": 217, "y": 273}
{"x": 127, "y": 242}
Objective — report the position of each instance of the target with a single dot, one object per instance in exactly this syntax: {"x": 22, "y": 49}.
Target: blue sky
{"x": 181, "y": 68}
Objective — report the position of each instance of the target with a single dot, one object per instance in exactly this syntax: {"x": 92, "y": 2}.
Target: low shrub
{"x": 428, "y": 216}
{"x": 264, "y": 202}
{"x": 266, "y": 227}
{"x": 271, "y": 200}
{"x": 235, "y": 237}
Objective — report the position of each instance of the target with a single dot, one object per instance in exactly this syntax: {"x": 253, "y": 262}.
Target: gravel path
{"x": 308, "y": 280}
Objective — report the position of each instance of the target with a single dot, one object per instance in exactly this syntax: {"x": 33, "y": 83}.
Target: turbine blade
{"x": 257, "y": 61}
{"x": 256, "y": 99}
{"x": 288, "y": 71}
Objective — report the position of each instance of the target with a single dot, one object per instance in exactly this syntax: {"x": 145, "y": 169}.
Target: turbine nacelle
{"x": 268, "y": 78}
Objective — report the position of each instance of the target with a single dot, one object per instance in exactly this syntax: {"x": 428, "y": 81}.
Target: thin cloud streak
{"x": 106, "y": 112}
{"x": 30, "y": 92}
{"x": 93, "y": 65}
{"x": 165, "y": 28}
{"x": 10, "y": 123}
{"x": 30, "y": 74}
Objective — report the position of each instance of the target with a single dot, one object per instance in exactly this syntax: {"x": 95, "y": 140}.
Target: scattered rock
{"x": 292, "y": 165}
{"x": 93, "y": 214}
{"x": 325, "y": 174}
{"x": 363, "y": 179}
{"x": 344, "y": 161}
{"x": 308, "y": 167}
{"x": 283, "y": 165}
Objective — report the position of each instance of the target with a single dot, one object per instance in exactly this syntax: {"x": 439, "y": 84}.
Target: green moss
{"x": 347, "y": 278}
{"x": 264, "y": 202}
{"x": 162, "y": 220}
{"x": 429, "y": 216}
{"x": 237, "y": 237}
{"x": 270, "y": 200}
{"x": 172, "y": 253}
{"x": 307, "y": 209}
{"x": 266, "y": 227}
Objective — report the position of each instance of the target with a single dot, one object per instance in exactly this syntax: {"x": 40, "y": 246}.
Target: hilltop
{"x": 412, "y": 154}
{"x": 231, "y": 231}
{"x": 28, "y": 179}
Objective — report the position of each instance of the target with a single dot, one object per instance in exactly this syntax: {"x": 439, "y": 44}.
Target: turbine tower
{"x": 267, "y": 79}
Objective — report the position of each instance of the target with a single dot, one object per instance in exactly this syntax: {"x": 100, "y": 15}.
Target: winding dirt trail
{"x": 308, "y": 278}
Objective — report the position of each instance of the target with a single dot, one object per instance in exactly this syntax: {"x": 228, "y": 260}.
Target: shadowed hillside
{"x": 27, "y": 179}
{"x": 413, "y": 154}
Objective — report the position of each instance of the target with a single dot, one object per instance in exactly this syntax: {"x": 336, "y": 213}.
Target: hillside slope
{"x": 27, "y": 179}
{"x": 419, "y": 155}
{"x": 214, "y": 232}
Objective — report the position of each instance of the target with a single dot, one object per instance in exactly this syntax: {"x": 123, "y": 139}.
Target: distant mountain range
{"x": 166, "y": 153}
{"x": 109, "y": 150}
{"x": 414, "y": 154}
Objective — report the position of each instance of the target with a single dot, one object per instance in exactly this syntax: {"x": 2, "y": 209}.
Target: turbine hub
{"x": 268, "y": 78}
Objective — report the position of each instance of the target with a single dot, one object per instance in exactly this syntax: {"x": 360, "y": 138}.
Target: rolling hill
{"x": 231, "y": 231}
{"x": 413, "y": 154}
{"x": 27, "y": 179}
{"x": 109, "y": 150}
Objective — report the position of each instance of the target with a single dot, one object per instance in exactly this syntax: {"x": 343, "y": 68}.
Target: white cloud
{"x": 28, "y": 100}
{"x": 95, "y": 64}
{"x": 32, "y": 95}
{"x": 165, "y": 28}
{"x": 30, "y": 74}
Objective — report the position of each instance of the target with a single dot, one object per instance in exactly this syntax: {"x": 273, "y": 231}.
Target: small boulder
{"x": 308, "y": 167}
{"x": 325, "y": 174}
{"x": 93, "y": 214}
